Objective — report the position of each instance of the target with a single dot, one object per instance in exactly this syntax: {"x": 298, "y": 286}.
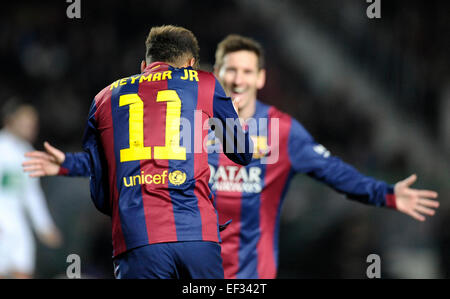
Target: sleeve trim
{"x": 390, "y": 201}
{"x": 63, "y": 171}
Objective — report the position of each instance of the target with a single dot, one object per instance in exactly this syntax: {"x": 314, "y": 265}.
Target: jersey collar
{"x": 154, "y": 65}
{"x": 157, "y": 64}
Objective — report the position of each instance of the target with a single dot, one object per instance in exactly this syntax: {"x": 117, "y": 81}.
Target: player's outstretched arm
{"x": 309, "y": 157}
{"x": 42, "y": 163}
{"x": 414, "y": 202}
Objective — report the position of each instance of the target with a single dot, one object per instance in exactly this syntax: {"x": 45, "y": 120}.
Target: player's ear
{"x": 143, "y": 65}
{"x": 192, "y": 62}
{"x": 261, "y": 79}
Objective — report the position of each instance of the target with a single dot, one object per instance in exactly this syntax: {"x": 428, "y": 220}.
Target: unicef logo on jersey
{"x": 177, "y": 177}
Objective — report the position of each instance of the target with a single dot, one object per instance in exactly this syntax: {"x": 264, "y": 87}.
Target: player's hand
{"x": 236, "y": 101}
{"x": 44, "y": 163}
{"x": 413, "y": 202}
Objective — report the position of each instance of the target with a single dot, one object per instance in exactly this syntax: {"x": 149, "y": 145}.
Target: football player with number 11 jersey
{"x": 252, "y": 195}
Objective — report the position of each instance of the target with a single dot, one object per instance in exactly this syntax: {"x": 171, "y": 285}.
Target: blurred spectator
{"x": 20, "y": 196}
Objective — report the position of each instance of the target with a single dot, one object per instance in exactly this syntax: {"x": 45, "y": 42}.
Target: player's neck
{"x": 248, "y": 110}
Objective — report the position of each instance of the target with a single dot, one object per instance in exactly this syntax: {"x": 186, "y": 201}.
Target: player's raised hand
{"x": 236, "y": 101}
{"x": 44, "y": 163}
{"x": 413, "y": 202}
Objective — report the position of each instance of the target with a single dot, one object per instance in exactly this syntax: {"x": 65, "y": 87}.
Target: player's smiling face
{"x": 241, "y": 77}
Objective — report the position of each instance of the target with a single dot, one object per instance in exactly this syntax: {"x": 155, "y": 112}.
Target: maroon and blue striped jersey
{"x": 148, "y": 169}
{"x": 252, "y": 195}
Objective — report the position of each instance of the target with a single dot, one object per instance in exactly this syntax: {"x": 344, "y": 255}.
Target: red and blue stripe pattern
{"x": 167, "y": 211}
{"x": 249, "y": 248}
{"x": 252, "y": 195}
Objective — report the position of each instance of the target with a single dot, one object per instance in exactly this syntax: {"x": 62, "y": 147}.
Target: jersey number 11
{"x": 137, "y": 151}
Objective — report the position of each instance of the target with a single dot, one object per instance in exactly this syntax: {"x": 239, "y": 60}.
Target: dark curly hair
{"x": 171, "y": 44}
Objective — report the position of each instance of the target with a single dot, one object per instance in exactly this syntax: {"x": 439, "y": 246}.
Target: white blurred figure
{"x": 21, "y": 197}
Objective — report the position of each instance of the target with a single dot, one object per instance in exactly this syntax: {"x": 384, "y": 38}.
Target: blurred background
{"x": 375, "y": 92}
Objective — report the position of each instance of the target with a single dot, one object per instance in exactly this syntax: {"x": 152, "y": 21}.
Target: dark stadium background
{"x": 375, "y": 92}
